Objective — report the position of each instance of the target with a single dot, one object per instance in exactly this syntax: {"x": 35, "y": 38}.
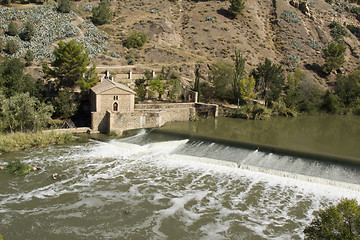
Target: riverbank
{"x": 12, "y": 142}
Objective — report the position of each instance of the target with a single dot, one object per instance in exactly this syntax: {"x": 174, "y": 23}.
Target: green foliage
{"x": 69, "y": 65}
{"x": 135, "y": 40}
{"x": 221, "y": 75}
{"x": 22, "y": 112}
{"x": 348, "y": 89}
{"x": 337, "y": 31}
{"x": 331, "y": 103}
{"x": 64, "y": 6}
{"x": 336, "y": 222}
{"x": 102, "y": 13}
{"x": 140, "y": 89}
{"x": 156, "y": 85}
{"x": 11, "y": 47}
{"x": 280, "y": 109}
{"x": 334, "y": 56}
{"x": 65, "y": 105}
{"x": 197, "y": 82}
{"x": 29, "y": 57}
{"x": 13, "y": 80}
{"x": 17, "y": 168}
{"x": 269, "y": 81}
{"x": 247, "y": 88}
{"x": 310, "y": 96}
{"x": 354, "y": 30}
{"x": 290, "y": 16}
{"x": 12, "y": 142}
{"x": 175, "y": 89}
{"x": 1, "y": 45}
{"x": 236, "y": 7}
{"x": 28, "y": 32}
{"x": 238, "y": 75}
{"x": 90, "y": 80}
{"x": 250, "y": 111}
{"x": 12, "y": 29}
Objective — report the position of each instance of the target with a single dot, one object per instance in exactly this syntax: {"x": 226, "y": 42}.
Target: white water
{"x": 169, "y": 193}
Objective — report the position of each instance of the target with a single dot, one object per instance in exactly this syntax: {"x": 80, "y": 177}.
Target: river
{"x": 156, "y": 185}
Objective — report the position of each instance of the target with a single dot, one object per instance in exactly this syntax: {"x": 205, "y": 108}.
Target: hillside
{"x": 186, "y": 33}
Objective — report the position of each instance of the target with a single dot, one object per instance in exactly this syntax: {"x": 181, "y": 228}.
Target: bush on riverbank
{"x": 12, "y": 142}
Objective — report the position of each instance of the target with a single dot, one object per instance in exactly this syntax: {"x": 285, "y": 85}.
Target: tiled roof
{"x": 107, "y": 84}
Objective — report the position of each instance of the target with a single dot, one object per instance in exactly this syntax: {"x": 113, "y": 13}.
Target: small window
{"x": 117, "y": 97}
{"x": 115, "y": 107}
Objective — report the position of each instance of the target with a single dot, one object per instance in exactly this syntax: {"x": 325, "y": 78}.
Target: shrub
{"x": 29, "y": 57}
{"x": 64, "y": 6}
{"x": 18, "y": 168}
{"x": 354, "y": 30}
{"x": 28, "y": 32}
{"x": 336, "y": 222}
{"x": 135, "y": 40}
{"x": 11, "y": 47}
{"x": 101, "y": 14}
{"x": 255, "y": 112}
{"x": 334, "y": 56}
{"x": 12, "y": 29}
{"x": 236, "y": 7}
{"x": 337, "y": 31}
{"x": 290, "y": 16}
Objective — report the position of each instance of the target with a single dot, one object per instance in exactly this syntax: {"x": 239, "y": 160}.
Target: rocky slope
{"x": 186, "y": 33}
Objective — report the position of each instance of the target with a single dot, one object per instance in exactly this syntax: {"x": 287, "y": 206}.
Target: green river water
{"x": 189, "y": 180}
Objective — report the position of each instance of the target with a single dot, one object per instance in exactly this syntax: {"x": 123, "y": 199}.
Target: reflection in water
{"x": 329, "y": 134}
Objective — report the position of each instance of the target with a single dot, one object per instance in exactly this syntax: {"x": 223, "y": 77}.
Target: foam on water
{"x": 168, "y": 193}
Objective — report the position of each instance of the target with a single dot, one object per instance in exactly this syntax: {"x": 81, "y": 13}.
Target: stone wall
{"x": 163, "y": 105}
{"x": 149, "y": 118}
{"x": 100, "y": 121}
{"x": 106, "y": 100}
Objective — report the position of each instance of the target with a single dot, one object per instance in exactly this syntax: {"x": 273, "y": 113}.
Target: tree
{"x": 65, "y": 105}
{"x": 221, "y": 76}
{"x": 336, "y": 222}
{"x": 102, "y": 13}
{"x": 64, "y": 6}
{"x": 29, "y": 57}
{"x": 1, "y": 45}
{"x": 91, "y": 79}
{"x": 269, "y": 81}
{"x": 236, "y": 7}
{"x": 247, "y": 88}
{"x": 238, "y": 75}
{"x": 334, "y": 56}
{"x": 11, "y": 47}
{"x": 28, "y": 31}
{"x": 158, "y": 86}
{"x": 12, "y": 29}
{"x": 13, "y": 80}
{"x": 135, "y": 40}
{"x": 348, "y": 88}
{"x": 197, "y": 81}
{"x": 23, "y": 112}
{"x": 69, "y": 65}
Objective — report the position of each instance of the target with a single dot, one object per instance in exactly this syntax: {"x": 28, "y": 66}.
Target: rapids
{"x": 153, "y": 186}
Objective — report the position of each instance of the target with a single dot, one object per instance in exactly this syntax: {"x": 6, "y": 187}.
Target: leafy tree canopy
{"x": 236, "y": 7}
{"x": 221, "y": 76}
{"x": 334, "y": 56}
{"x": 28, "y": 31}
{"x": 12, "y": 29}
{"x": 102, "y": 13}
{"x": 13, "y": 80}
{"x": 269, "y": 81}
{"x": 64, "y": 6}
{"x": 336, "y": 222}
{"x": 135, "y": 40}
{"x": 21, "y": 112}
{"x": 69, "y": 65}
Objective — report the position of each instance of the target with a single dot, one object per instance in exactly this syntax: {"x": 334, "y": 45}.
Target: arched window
{"x": 115, "y": 106}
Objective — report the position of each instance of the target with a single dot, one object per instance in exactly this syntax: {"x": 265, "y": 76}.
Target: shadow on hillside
{"x": 316, "y": 68}
{"x": 226, "y": 13}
